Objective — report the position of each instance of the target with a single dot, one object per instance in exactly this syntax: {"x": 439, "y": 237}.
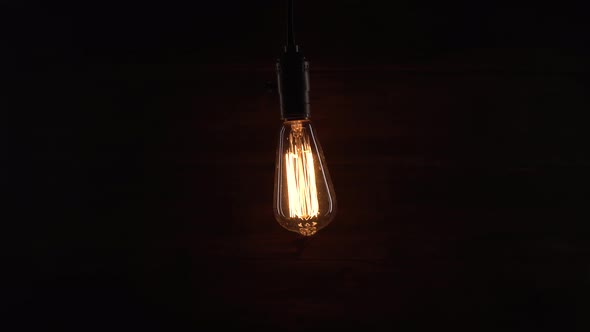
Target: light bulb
{"x": 304, "y": 199}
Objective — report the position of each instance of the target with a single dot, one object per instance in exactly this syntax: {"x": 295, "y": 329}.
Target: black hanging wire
{"x": 290, "y": 32}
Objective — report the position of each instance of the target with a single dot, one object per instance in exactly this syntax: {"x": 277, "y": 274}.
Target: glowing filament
{"x": 301, "y": 181}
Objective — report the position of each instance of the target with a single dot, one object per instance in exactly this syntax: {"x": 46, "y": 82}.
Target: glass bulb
{"x": 304, "y": 199}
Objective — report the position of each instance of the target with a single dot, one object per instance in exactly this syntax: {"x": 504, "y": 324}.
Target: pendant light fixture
{"x": 304, "y": 199}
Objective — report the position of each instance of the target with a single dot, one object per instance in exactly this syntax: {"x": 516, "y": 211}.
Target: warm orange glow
{"x": 301, "y": 178}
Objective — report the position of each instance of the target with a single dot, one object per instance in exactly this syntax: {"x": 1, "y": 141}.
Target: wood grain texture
{"x": 462, "y": 193}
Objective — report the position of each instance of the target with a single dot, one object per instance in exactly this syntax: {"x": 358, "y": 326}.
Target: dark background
{"x": 138, "y": 165}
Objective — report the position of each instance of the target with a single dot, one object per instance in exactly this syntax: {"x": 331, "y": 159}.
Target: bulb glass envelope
{"x": 304, "y": 199}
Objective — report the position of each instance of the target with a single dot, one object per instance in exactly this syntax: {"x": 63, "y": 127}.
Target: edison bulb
{"x": 304, "y": 199}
